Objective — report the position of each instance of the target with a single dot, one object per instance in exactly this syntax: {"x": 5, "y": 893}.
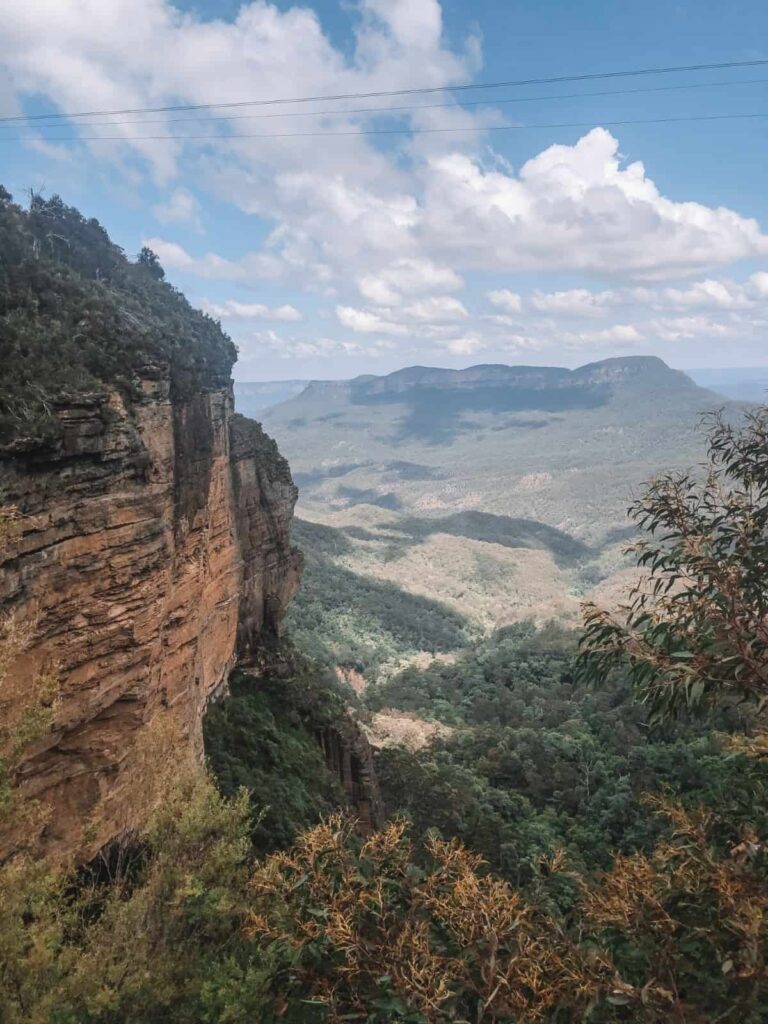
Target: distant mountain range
{"x": 744, "y": 384}
{"x": 497, "y": 488}
{"x": 561, "y": 446}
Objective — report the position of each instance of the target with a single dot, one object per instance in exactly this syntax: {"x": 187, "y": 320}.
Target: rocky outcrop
{"x": 153, "y": 544}
{"x": 349, "y": 755}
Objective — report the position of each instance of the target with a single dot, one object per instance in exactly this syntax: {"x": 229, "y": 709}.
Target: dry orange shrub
{"x": 436, "y": 934}
{"x": 691, "y": 913}
{"x": 444, "y": 939}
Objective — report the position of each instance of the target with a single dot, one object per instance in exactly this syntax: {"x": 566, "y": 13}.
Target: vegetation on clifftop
{"x": 76, "y": 314}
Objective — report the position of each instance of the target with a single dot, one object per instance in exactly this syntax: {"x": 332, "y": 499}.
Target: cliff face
{"x": 154, "y": 545}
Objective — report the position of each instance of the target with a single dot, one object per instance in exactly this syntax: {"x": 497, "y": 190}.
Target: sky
{"x": 536, "y": 229}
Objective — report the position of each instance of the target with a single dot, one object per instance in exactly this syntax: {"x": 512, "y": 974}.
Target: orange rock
{"x": 154, "y": 546}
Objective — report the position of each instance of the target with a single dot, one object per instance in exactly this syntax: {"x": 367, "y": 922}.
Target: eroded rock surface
{"x": 154, "y": 545}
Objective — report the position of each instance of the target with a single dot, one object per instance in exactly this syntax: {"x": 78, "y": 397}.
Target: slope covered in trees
{"x": 76, "y": 314}
{"x": 541, "y": 760}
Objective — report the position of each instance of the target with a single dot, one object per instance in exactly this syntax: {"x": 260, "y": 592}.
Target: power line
{"x": 389, "y": 131}
{"x": 593, "y": 76}
{"x": 420, "y": 106}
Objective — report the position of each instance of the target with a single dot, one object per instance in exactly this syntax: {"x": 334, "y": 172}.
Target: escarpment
{"x": 153, "y": 544}
{"x": 153, "y": 538}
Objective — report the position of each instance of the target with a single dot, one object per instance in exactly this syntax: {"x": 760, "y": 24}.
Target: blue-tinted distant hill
{"x": 565, "y": 447}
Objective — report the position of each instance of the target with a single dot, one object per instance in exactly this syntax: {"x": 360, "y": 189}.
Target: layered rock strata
{"x": 153, "y": 545}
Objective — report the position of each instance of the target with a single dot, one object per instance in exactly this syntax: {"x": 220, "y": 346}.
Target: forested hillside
{"x": 541, "y": 760}
{"x": 76, "y": 314}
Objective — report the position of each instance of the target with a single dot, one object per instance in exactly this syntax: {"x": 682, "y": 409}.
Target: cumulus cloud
{"x": 390, "y": 234}
{"x": 405, "y": 277}
{"x": 253, "y": 349}
{"x": 576, "y": 208}
{"x": 758, "y": 285}
{"x": 574, "y": 302}
{"x": 686, "y": 328}
{"x": 428, "y": 317}
{"x": 365, "y": 321}
{"x": 621, "y": 335}
{"x": 465, "y": 346}
{"x": 709, "y": 294}
{"x": 435, "y": 309}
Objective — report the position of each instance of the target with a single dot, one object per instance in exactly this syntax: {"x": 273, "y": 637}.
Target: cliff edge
{"x": 154, "y": 535}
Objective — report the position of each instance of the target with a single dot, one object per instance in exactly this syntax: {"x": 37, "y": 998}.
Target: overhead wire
{"x": 379, "y": 94}
{"x": 395, "y": 131}
{"x": 413, "y": 108}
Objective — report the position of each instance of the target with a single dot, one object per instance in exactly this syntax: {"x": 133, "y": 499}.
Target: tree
{"x": 151, "y": 263}
{"x": 694, "y": 632}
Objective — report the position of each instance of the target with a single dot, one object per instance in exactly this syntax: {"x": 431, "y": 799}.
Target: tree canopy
{"x": 694, "y": 631}
{"x": 77, "y": 316}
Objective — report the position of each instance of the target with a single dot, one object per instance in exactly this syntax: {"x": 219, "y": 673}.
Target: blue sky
{"x": 329, "y": 257}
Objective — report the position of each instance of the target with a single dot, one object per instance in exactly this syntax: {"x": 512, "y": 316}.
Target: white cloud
{"x": 181, "y": 207}
{"x": 708, "y": 294}
{"x": 290, "y": 346}
{"x": 687, "y": 328}
{"x": 435, "y": 309}
{"x": 365, "y": 321}
{"x": 466, "y": 345}
{"x": 506, "y": 299}
{"x": 758, "y": 284}
{"x": 407, "y": 277}
{"x": 431, "y": 317}
{"x": 412, "y": 25}
{"x": 232, "y": 309}
{"x": 574, "y": 302}
{"x": 620, "y": 335}
{"x": 575, "y": 208}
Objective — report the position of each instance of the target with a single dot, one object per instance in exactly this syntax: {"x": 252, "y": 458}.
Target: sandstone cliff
{"x": 154, "y": 544}
{"x": 152, "y": 549}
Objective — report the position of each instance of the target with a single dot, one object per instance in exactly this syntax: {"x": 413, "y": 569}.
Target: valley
{"x": 499, "y": 493}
